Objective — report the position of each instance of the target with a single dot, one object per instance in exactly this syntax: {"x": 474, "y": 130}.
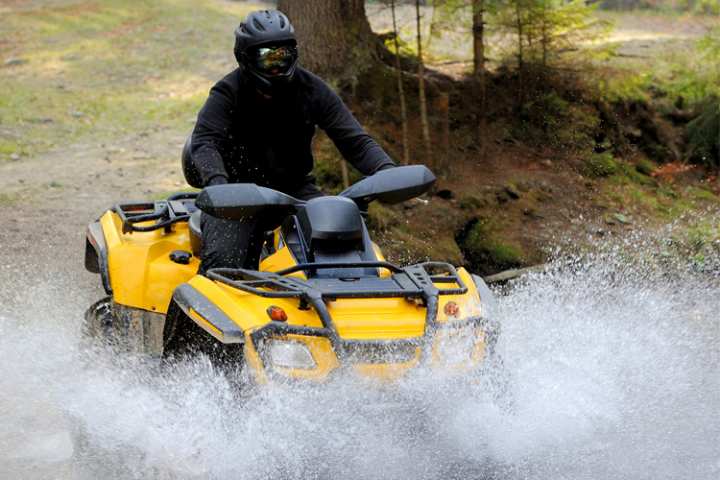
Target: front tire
{"x": 184, "y": 339}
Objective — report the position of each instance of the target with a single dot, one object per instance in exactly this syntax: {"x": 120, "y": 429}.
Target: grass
{"x": 632, "y": 191}
{"x": 103, "y": 69}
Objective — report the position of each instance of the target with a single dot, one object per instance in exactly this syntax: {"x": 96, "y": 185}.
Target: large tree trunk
{"x": 334, "y": 36}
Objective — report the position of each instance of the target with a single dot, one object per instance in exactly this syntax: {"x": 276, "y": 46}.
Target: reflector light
{"x": 277, "y": 314}
{"x": 452, "y": 309}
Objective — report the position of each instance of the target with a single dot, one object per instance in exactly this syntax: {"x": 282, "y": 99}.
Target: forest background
{"x": 549, "y": 122}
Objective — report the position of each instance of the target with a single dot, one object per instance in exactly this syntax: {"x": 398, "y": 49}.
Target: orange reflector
{"x": 277, "y": 314}
{"x": 452, "y": 309}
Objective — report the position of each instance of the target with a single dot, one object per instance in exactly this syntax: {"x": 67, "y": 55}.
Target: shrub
{"x": 600, "y": 165}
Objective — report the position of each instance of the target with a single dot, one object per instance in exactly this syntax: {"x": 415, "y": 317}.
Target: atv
{"x": 323, "y": 301}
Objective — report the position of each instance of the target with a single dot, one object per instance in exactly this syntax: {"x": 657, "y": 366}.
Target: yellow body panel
{"x": 280, "y": 260}
{"x": 141, "y": 272}
{"x": 380, "y": 319}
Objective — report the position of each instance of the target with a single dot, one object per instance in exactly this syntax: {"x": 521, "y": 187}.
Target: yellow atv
{"x": 323, "y": 301}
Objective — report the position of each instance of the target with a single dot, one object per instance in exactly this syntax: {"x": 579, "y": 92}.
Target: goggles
{"x": 275, "y": 61}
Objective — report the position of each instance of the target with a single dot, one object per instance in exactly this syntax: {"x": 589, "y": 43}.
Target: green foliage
{"x": 485, "y": 250}
{"x": 645, "y": 167}
{"x": 381, "y": 218}
{"x": 600, "y": 165}
{"x": 693, "y": 6}
{"x": 704, "y": 131}
{"x": 549, "y": 119}
{"x": 704, "y": 134}
{"x": 543, "y": 31}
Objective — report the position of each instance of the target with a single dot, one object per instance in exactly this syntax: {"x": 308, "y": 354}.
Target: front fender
{"x": 206, "y": 315}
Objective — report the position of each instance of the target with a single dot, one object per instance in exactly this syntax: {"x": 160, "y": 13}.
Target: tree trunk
{"x": 334, "y": 36}
{"x": 479, "y": 70}
{"x": 520, "y": 54}
{"x": 478, "y": 37}
{"x": 425, "y": 124}
{"x": 401, "y": 91}
{"x": 442, "y": 163}
{"x": 545, "y": 34}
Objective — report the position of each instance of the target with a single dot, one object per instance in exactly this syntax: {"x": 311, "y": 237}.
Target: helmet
{"x": 266, "y": 47}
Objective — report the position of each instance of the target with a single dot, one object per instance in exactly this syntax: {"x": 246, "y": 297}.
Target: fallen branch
{"x": 514, "y": 273}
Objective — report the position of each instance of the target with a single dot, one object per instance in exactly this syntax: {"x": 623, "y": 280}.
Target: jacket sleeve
{"x": 211, "y": 136}
{"x": 355, "y": 145}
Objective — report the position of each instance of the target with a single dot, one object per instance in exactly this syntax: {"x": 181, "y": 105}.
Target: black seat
{"x": 195, "y": 232}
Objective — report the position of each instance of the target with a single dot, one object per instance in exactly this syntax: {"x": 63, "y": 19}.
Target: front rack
{"x": 164, "y": 213}
{"x": 412, "y": 282}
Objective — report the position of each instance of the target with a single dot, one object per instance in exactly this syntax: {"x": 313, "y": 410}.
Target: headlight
{"x": 455, "y": 345}
{"x": 288, "y": 354}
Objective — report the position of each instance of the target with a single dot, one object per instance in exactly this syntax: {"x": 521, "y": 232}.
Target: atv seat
{"x": 195, "y": 232}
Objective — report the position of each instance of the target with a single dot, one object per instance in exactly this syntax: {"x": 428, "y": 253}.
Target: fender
{"x": 96, "y": 254}
{"x": 206, "y": 315}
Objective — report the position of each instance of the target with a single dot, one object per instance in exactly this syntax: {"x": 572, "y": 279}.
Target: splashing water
{"x": 613, "y": 360}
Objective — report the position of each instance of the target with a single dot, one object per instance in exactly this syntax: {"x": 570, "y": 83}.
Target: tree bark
{"x": 519, "y": 23}
{"x": 334, "y": 36}
{"x": 401, "y": 91}
{"x": 479, "y": 70}
{"x": 425, "y": 124}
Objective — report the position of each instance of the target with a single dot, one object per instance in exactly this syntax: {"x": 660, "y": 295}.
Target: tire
{"x": 124, "y": 328}
{"x": 184, "y": 339}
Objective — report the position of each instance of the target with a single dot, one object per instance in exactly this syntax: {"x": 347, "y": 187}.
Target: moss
{"x": 703, "y": 194}
{"x": 635, "y": 176}
{"x": 407, "y": 247}
{"x": 645, "y": 167}
{"x": 600, "y": 165}
{"x": 485, "y": 250}
{"x": 381, "y": 218}
{"x": 551, "y": 119}
{"x": 471, "y": 202}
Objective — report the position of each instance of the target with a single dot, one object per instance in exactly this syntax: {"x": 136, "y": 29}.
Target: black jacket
{"x": 243, "y": 137}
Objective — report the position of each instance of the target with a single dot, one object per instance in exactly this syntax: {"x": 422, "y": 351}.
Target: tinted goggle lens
{"x": 275, "y": 60}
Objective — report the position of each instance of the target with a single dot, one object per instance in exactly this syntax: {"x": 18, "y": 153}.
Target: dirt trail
{"x": 48, "y": 200}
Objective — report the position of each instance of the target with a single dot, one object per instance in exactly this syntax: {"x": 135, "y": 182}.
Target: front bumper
{"x": 452, "y": 348}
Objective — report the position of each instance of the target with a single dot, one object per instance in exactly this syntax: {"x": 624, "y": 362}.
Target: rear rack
{"x": 412, "y": 282}
{"x": 164, "y": 213}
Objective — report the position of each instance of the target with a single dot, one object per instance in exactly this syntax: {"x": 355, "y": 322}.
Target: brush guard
{"x": 412, "y": 282}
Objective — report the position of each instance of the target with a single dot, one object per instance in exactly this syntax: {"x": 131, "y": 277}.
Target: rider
{"x": 257, "y": 126}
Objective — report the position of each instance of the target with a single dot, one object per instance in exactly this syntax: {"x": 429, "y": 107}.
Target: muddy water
{"x": 614, "y": 373}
